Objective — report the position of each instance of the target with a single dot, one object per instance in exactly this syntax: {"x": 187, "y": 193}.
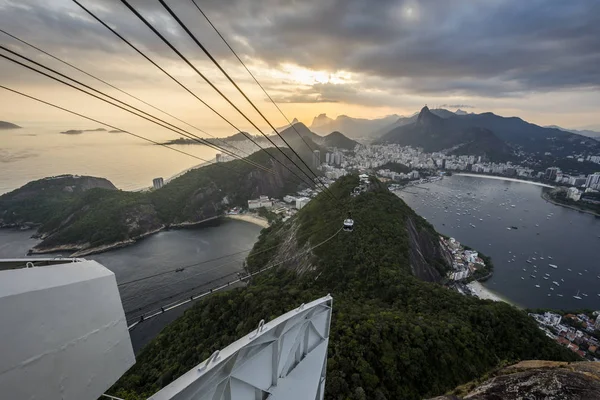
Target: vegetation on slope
{"x": 339, "y": 140}
{"x": 392, "y": 335}
{"x": 92, "y": 216}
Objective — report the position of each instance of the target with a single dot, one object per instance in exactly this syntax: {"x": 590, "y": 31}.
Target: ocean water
{"x": 479, "y": 212}
{"x": 129, "y": 163}
{"x": 164, "y": 251}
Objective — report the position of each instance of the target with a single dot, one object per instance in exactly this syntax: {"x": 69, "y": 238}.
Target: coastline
{"x": 249, "y": 218}
{"x": 484, "y": 293}
{"x": 502, "y": 179}
{"x": 556, "y": 203}
{"x": 81, "y": 251}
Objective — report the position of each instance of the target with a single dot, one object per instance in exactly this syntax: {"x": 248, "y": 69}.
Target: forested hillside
{"x": 73, "y": 216}
{"x": 393, "y": 336}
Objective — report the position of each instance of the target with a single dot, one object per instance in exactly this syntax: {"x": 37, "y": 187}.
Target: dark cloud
{"x": 394, "y": 47}
{"x": 456, "y": 106}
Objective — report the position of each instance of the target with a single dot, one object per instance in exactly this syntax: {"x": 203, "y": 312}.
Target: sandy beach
{"x": 253, "y": 219}
{"x": 502, "y": 178}
{"x": 484, "y": 293}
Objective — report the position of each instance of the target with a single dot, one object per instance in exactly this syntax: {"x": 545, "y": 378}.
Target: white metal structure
{"x": 63, "y": 333}
{"x": 283, "y": 359}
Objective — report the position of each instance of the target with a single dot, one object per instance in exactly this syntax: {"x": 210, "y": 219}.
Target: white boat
{"x": 580, "y": 273}
{"x": 583, "y": 294}
{"x": 537, "y": 286}
{"x": 546, "y": 277}
{"x": 528, "y": 261}
{"x": 522, "y": 278}
{"x": 553, "y": 266}
{"x": 556, "y": 283}
{"x": 541, "y": 258}
{"x": 551, "y": 288}
{"x": 577, "y": 296}
{"x": 524, "y": 269}
{"x": 560, "y": 295}
{"x": 569, "y": 269}
{"x": 533, "y": 258}
{"x": 533, "y": 276}
{"x": 547, "y": 274}
{"x": 549, "y": 257}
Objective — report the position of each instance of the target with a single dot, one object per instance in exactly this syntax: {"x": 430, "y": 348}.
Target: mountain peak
{"x": 426, "y": 115}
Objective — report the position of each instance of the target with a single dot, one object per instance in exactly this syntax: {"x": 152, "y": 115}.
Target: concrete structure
{"x": 219, "y": 157}
{"x": 157, "y": 183}
{"x": 316, "y": 158}
{"x": 301, "y": 202}
{"x": 551, "y": 173}
{"x": 63, "y": 333}
{"x": 573, "y": 194}
{"x": 592, "y": 180}
{"x": 289, "y": 199}
{"x": 262, "y": 201}
{"x": 284, "y": 359}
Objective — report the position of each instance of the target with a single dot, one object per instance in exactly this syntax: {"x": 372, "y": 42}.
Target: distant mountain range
{"x": 356, "y": 128}
{"x": 584, "y": 132}
{"x": 463, "y": 132}
{"x": 8, "y": 125}
{"x": 435, "y": 133}
{"x": 80, "y": 131}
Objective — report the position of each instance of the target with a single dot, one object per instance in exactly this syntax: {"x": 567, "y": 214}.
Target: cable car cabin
{"x": 348, "y": 225}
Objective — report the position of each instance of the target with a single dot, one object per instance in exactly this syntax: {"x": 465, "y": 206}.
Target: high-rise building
{"x": 327, "y": 157}
{"x": 157, "y": 183}
{"x": 551, "y": 173}
{"x": 316, "y": 158}
{"x": 592, "y": 179}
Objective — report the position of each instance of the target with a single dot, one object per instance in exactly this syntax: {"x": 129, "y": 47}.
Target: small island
{"x": 7, "y": 125}
{"x": 80, "y": 131}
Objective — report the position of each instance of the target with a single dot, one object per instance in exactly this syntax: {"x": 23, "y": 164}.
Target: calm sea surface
{"x": 478, "y": 212}
{"x": 164, "y": 251}
{"x": 129, "y": 163}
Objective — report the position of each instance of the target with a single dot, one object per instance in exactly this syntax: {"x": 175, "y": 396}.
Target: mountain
{"x": 584, "y": 132}
{"x": 291, "y": 132}
{"x": 529, "y": 137}
{"x": 8, "y": 125}
{"x": 356, "y": 128}
{"x": 433, "y": 133}
{"x": 294, "y": 121}
{"x": 460, "y": 112}
{"x": 86, "y": 214}
{"x": 395, "y": 332}
{"x": 536, "y": 380}
{"x": 401, "y": 121}
{"x": 339, "y": 140}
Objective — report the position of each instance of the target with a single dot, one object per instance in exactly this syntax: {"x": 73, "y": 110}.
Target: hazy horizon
{"x": 536, "y": 61}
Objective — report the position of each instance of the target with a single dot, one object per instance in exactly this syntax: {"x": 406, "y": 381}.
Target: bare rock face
{"x": 532, "y": 380}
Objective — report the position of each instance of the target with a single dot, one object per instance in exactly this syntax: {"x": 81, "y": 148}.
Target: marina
{"x": 555, "y": 259}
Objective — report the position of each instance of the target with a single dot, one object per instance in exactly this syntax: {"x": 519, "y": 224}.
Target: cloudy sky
{"x": 539, "y": 60}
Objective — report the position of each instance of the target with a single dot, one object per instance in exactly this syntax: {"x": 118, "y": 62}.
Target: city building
{"x": 551, "y": 173}
{"x": 316, "y": 158}
{"x": 592, "y": 180}
{"x": 289, "y": 199}
{"x": 157, "y": 183}
{"x": 262, "y": 201}
{"x": 573, "y": 193}
{"x": 328, "y": 158}
{"x": 219, "y": 157}
{"x": 301, "y": 202}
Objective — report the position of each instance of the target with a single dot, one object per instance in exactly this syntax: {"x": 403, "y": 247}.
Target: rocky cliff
{"x": 536, "y": 380}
